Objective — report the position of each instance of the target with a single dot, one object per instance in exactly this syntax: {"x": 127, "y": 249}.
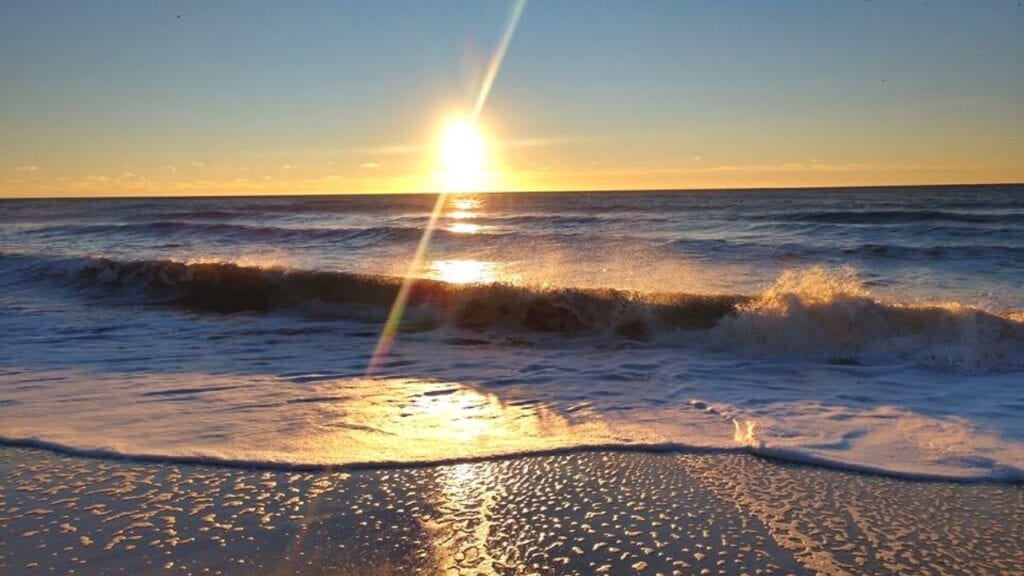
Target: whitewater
{"x": 878, "y": 330}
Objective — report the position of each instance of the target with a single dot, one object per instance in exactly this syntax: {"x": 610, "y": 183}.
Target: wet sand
{"x": 588, "y": 513}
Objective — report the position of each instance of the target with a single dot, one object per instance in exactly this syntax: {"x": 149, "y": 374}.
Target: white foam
{"x": 828, "y": 314}
{"x": 308, "y": 405}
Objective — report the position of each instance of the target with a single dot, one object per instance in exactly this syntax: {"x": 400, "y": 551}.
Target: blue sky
{"x": 233, "y": 97}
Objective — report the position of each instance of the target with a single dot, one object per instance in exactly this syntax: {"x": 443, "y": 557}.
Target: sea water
{"x": 874, "y": 329}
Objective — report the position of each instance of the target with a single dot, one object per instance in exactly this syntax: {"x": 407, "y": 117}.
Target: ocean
{"x": 877, "y": 330}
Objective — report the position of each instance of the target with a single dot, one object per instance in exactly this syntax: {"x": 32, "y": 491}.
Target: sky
{"x": 109, "y": 98}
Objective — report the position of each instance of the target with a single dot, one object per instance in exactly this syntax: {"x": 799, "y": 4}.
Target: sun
{"x": 462, "y": 157}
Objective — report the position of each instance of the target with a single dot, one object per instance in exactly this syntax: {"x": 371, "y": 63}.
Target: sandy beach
{"x": 587, "y": 513}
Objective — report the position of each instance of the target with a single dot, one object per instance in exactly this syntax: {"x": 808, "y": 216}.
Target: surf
{"x": 811, "y": 312}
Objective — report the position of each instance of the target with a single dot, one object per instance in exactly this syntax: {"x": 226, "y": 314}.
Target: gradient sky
{"x": 135, "y": 97}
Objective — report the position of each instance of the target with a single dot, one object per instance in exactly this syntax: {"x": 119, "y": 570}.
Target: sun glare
{"x": 462, "y": 154}
{"x": 464, "y": 271}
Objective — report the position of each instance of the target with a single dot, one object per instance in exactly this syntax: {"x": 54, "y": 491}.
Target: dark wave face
{"x": 228, "y": 288}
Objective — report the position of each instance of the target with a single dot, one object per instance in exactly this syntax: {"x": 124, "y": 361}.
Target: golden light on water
{"x": 464, "y": 271}
{"x": 465, "y": 206}
{"x": 424, "y": 420}
{"x": 464, "y": 209}
{"x": 464, "y": 228}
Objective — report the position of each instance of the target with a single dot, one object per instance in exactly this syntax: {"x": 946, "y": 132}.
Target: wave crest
{"x": 827, "y": 313}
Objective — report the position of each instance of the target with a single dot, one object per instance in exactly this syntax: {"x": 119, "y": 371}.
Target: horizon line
{"x": 560, "y": 191}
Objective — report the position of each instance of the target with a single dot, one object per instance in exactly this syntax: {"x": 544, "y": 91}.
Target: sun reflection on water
{"x": 462, "y": 215}
{"x": 464, "y": 228}
{"x": 413, "y": 420}
{"x": 464, "y": 271}
{"x": 465, "y": 208}
{"x": 466, "y": 205}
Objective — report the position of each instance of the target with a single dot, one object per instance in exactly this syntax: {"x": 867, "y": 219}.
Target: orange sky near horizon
{"x": 411, "y": 176}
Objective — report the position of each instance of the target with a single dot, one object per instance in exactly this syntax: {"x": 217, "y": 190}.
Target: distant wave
{"x": 895, "y": 216}
{"x": 200, "y": 214}
{"x": 570, "y": 220}
{"x": 904, "y": 252}
{"x": 814, "y": 312}
{"x": 214, "y": 223}
{"x": 704, "y": 247}
{"x": 245, "y": 232}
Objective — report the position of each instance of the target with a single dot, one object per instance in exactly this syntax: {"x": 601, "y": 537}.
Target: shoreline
{"x": 780, "y": 457}
{"x": 549, "y": 514}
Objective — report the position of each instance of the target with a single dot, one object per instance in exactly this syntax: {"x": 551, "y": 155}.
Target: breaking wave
{"x": 812, "y": 312}
{"x": 820, "y": 312}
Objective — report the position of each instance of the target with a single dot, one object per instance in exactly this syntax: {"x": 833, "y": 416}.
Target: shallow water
{"x": 872, "y": 329}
